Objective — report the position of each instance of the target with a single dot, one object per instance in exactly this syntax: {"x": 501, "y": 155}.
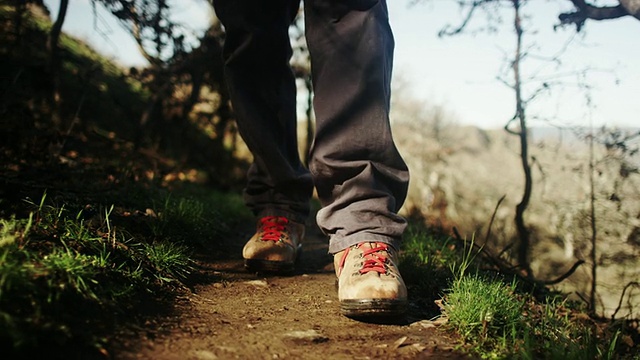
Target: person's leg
{"x": 359, "y": 175}
{"x": 263, "y": 93}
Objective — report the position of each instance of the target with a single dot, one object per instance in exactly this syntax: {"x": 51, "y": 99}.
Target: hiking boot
{"x": 369, "y": 283}
{"x": 275, "y": 246}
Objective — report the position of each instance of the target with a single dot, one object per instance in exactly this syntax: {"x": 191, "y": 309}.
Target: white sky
{"x": 461, "y": 72}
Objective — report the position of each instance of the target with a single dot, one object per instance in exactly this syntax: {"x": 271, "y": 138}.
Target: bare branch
{"x": 465, "y": 21}
{"x": 493, "y": 217}
{"x": 565, "y": 275}
{"x": 136, "y": 33}
{"x": 507, "y": 129}
{"x": 586, "y": 11}
{"x": 633, "y": 283}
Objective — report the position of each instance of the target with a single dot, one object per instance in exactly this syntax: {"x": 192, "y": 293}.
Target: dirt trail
{"x": 241, "y": 315}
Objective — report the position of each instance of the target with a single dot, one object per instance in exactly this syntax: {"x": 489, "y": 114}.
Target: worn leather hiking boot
{"x": 369, "y": 283}
{"x": 275, "y": 245}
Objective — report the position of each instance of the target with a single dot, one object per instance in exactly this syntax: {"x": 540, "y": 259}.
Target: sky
{"x": 596, "y": 81}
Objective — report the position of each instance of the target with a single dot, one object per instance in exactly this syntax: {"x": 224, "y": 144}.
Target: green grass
{"x": 493, "y": 316}
{"x": 196, "y": 215}
{"x": 428, "y": 249}
{"x": 423, "y": 264}
{"x": 479, "y": 308}
{"x": 169, "y": 258}
{"x": 86, "y": 261}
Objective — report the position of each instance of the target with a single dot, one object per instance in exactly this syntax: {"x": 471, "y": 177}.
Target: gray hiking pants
{"x": 360, "y": 178}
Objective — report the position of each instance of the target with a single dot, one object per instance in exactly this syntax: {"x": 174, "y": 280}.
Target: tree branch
{"x": 634, "y": 284}
{"x": 586, "y": 11}
{"x": 493, "y": 217}
{"x": 463, "y": 25}
{"x": 565, "y": 275}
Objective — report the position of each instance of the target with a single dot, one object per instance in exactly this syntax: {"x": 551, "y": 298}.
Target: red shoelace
{"x": 272, "y": 227}
{"x": 374, "y": 258}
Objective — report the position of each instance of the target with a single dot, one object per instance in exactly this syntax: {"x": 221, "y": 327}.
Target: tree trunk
{"x": 594, "y": 229}
{"x": 54, "y": 61}
{"x": 523, "y": 232}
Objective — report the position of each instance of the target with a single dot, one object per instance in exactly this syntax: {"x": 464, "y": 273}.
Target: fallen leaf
{"x": 399, "y": 342}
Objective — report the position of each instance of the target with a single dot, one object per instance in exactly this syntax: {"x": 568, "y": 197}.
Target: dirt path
{"x": 241, "y": 315}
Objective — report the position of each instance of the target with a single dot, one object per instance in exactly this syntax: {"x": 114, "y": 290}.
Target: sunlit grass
{"x": 67, "y": 270}
{"x": 432, "y": 250}
{"x": 196, "y": 217}
{"x": 493, "y": 316}
{"x": 12, "y": 230}
{"x": 479, "y": 308}
{"x": 87, "y": 260}
{"x": 169, "y": 258}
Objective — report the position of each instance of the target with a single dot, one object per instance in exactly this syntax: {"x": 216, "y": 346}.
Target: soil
{"x": 234, "y": 314}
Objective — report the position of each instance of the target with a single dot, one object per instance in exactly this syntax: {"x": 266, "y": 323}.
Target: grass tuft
{"x": 169, "y": 258}
{"x": 480, "y": 309}
{"x": 67, "y": 270}
{"x": 494, "y": 316}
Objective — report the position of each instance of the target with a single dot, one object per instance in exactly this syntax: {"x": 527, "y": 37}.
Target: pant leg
{"x": 262, "y": 88}
{"x": 359, "y": 175}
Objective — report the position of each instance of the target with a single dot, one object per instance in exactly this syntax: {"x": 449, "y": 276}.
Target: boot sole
{"x": 373, "y": 308}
